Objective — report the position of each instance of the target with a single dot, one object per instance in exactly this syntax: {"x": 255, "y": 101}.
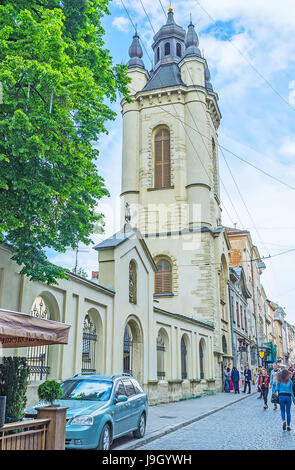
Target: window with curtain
{"x": 163, "y": 277}
{"x": 162, "y": 159}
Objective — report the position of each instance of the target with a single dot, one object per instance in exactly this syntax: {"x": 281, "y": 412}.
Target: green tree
{"x": 58, "y": 85}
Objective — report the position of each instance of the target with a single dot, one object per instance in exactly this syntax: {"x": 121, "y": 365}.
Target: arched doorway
{"x": 38, "y": 356}
{"x": 133, "y": 349}
{"x": 89, "y": 345}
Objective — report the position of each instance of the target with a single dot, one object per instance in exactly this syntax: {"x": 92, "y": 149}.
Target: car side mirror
{"x": 121, "y": 399}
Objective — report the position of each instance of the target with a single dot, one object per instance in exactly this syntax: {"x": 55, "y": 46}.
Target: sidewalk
{"x": 166, "y": 418}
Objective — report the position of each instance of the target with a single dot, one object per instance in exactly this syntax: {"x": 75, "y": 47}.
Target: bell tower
{"x": 170, "y": 175}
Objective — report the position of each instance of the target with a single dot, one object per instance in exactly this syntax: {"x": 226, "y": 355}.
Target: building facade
{"x": 239, "y": 295}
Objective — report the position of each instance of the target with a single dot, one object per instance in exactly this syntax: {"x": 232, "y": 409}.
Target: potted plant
{"x": 50, "y": 391}
{"x": 14, "y": 374}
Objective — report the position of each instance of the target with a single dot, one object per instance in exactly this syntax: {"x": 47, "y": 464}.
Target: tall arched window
{"x": 158, "y": 54}
{"x": 178, "y": 49}
{"x": 167, "y": 48}
{"x": 183, "y": 358}
{"x": 38, "y": 356}
{"x": 132, "y": 282}
{"x": 201, "y": 354}
{"x": 160, "y": 357}
{"x": 224, "y": 344}
{"x": 162, "y": 159}
{"x": 163, "y": 277}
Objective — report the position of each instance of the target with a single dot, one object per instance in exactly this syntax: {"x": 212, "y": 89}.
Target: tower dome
{"x": 169, "y": 43}
{"x": 191, "y": 42}
{"x": 135, "y": 53}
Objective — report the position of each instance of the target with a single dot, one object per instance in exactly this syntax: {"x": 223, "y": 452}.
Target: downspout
{"x": 230, "y": 294}
{"x": 254, "y": 305}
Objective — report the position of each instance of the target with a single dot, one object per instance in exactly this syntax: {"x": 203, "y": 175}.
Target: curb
{"x": 176, "y": 427}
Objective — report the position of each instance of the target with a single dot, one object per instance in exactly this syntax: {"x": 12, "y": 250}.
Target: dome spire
{"x": 135, "y": 52}
{"x": 191, "y": 41}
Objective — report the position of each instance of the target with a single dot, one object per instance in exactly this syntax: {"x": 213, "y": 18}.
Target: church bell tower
{"x": 170, "y": 175}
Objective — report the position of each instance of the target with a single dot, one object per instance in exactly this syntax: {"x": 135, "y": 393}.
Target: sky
{"x": 250, "y": 50}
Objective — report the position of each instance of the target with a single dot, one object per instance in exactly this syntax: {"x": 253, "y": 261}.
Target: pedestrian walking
{"x": 273, "y": 381}
{"x": 224, "y": 377}
{"x": 235, "y": 376}
{"x": 263, "y": 383}
{"x": 248, "y": 379}
{"x": 227, "y": 380}
{"x": 259, "y": 372}
{"x": 284, "y": 388}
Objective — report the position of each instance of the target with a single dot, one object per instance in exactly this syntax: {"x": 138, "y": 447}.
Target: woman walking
{"x": 263, "y": 384}
{"x": 285, "y": 389}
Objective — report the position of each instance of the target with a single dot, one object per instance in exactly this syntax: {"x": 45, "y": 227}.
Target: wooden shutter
{"x": 162, "y": 159}
{"x": 163, "y": 284}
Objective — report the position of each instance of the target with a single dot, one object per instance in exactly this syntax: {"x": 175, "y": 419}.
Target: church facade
{"x": 160, "y": 309}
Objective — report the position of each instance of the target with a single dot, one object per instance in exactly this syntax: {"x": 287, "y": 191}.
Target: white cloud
{"x": 288, "y": 147}
{"x": 121, "y": 23}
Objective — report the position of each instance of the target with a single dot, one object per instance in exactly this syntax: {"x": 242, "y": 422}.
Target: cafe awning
{"x": 18, "y": 330}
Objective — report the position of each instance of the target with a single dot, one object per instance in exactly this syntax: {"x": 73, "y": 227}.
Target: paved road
{"x": 243, "y": 425}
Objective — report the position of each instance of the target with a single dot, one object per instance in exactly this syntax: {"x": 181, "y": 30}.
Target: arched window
{"x": 224, "y": 344}
{"x": 160, "y": 357}
{"x": 167, "y": 48}
{"x": 89, "y": 345}
{"x": 162, "y": 159}
{"x": 132, "y": 282}
{"x": 201, "y": 354}
{"x": 158, "y": 54}
{"x": 183, "y": 359}
{"x": 163, "y": 277}
{"x": 178, "y": 49}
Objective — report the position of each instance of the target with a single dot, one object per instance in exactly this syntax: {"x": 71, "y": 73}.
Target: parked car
{"x": 100, "y": 409}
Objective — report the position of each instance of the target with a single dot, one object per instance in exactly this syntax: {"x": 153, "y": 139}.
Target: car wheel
{"x": 140, "y": 431}
{"x": 105, "y": 438}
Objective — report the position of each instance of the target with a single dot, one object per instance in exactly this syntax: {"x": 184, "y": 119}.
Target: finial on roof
{"x": 192, "y": 41}
{"x": 135, "y": 52}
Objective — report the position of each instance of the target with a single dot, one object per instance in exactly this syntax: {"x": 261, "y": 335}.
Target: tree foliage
{"x": 14, "y": 375}
{"x": 49, "y": 391}
{"x": 58, "y": 85}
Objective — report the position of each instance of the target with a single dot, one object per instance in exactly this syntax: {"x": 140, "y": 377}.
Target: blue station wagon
{"x": 100, "y": 409}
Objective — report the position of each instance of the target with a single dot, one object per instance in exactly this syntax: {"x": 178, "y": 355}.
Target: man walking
{"x": 248, "y": 378}
{"x": 235, "y": 376}
{"x": 274, "y": 380}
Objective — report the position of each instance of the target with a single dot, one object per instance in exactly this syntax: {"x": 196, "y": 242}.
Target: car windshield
{"x": 95, "y": 390}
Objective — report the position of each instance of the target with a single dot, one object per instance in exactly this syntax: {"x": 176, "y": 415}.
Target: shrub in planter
{"x": 50, "y": 391}
{"x": 14, "y": 375}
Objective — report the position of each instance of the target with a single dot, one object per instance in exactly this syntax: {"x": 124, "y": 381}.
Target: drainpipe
{"x": 230, "y": 294}
{"x": 254, "y": 305}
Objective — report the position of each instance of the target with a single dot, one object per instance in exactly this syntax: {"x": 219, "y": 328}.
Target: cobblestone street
{"x": 243, "y": 425}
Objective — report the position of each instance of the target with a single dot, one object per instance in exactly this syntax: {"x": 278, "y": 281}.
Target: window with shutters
{"x": 163, "y": 277}
{"x": 162, "y": 159}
